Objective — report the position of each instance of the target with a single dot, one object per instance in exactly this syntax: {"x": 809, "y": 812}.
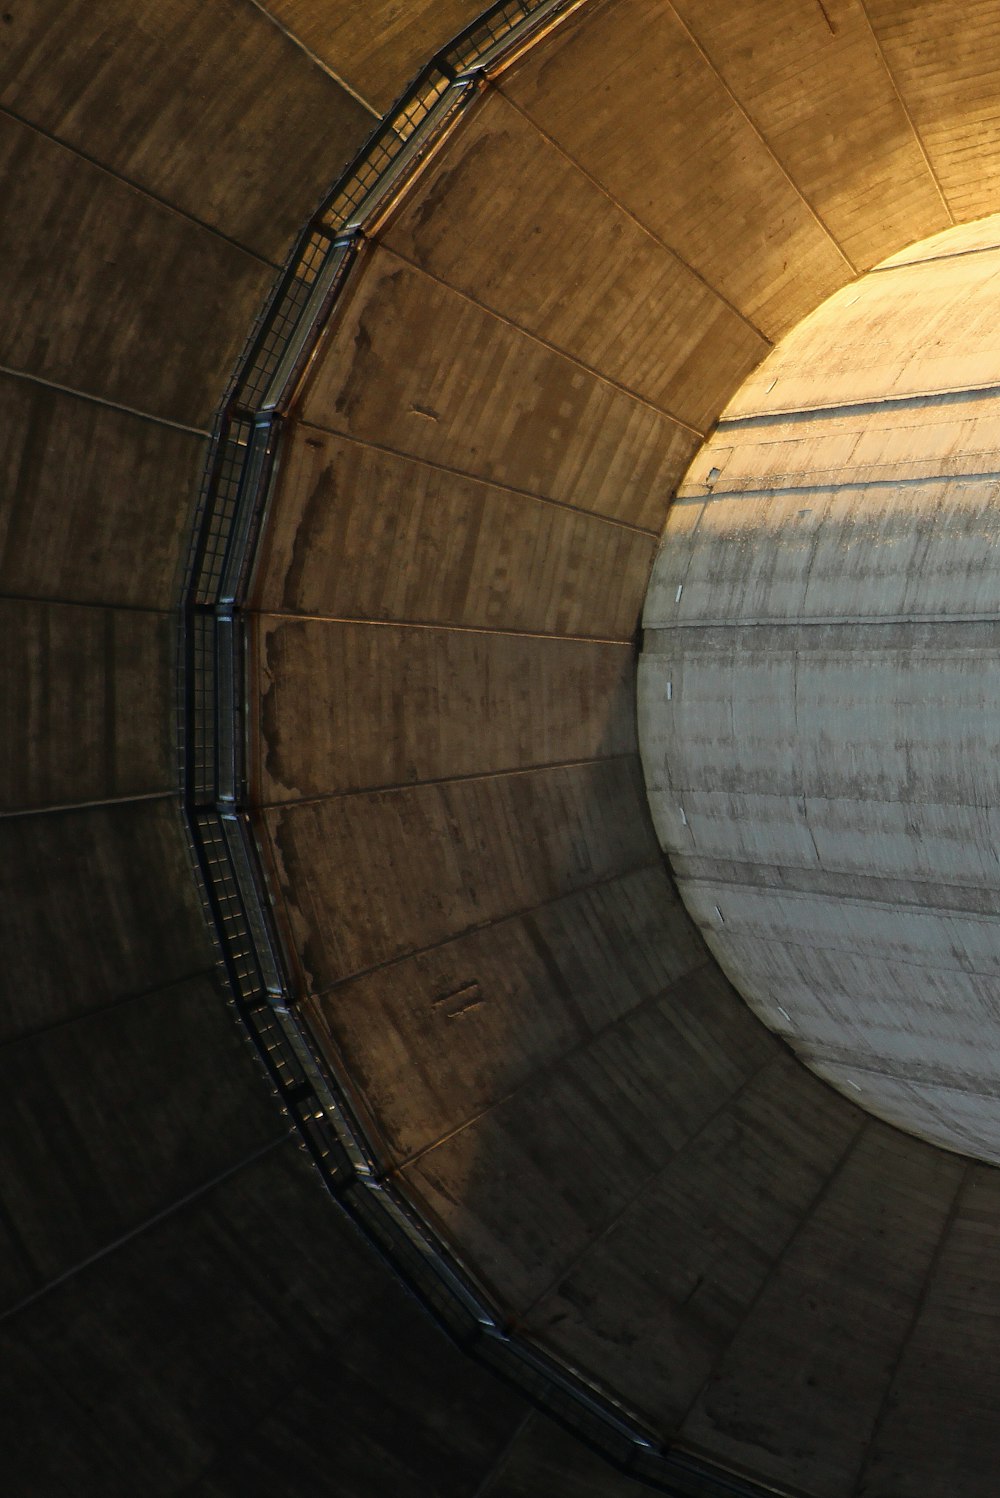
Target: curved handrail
{"x": 212, "y": 714}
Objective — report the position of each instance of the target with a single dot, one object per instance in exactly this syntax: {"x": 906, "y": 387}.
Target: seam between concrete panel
{"x": 808, "y": 1215}
{"x": 897, "y": 264}
{"x": 627, "y": 213}
{"x": 545, "y": 343}
{"x": 824, "y": 228}
{"x": 316, "y": 60}
{"x": 503, "y": 1458}
{"x": 405, "y": 1162}
{"x": 672, "y": 902}
{"x": 917, "y": 136}
{"x": 88, "y": 603}
{"x": 855, "y": 898}
{"x": 395, "y": 787}
{"x": 145, "y": 192}
{"x": 488, "y": 483}
{"x": 144, "y": 1226}
{"x": 652, "y": 1175}
{"x": 100, "y": 400}
{"x": 918, "y": 1310}
{"x": 444, "y": 627}
{"x": 916, "y": 400}
{"x": 467, "y": 473}
{"x": 476, "y": 926}
{"x": 43, "y": 811}
{"x": 210, "y": 973}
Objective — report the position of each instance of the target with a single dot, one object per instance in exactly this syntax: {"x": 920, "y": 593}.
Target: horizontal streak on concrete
{"x": 799, "y": 415}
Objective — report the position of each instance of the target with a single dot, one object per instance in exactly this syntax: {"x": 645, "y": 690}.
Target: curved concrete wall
{"x": 818, "y": 692}
{"x": 817, "y": 1306}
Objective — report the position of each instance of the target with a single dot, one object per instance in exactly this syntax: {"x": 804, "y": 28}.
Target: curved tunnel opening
{"x": 818, "y": 693}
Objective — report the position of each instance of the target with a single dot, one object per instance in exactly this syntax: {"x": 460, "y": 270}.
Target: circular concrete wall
{"x": 653, "y": 1186}
{"x": 819, "y": 691}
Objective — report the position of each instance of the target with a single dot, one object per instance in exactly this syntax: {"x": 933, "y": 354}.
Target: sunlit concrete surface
{"x": 819, "y": 691}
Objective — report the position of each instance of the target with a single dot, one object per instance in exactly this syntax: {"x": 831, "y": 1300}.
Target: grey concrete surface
{"x": 818, "y": 706}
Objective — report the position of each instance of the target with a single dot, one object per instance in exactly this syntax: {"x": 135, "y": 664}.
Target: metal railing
{"x": 212, "y": 724}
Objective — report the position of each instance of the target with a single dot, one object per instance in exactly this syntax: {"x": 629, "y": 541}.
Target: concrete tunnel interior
{"x": 447, "y": 784}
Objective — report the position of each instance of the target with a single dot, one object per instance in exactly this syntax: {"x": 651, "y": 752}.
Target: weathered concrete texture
{"x": 95, "y": 500}
{"x": 417, "y": 367}
{"x": 819, "y": 688}
{"x": 517, "y": 995}
{"x": 377, "y": 47}
{"x": 980, "y": 234}
{"x": 543, "y": 1460}
{"x": 117, "y": 1115}
{"x": 683, "y": 158}
{"x": 916, "y": 330}
{"x": 461, "y": 702}
{"x": 148, "y": 1373}
{"x": 86, "y": 696}
{"x": 110, "y": 292}
{"x": 628, "y": 1146}
{"x": 359, "y": 533}
{"x": 96, "y": 904}
{"x": 825, "y": 102}
{"x": 940, "y": 57}
{"x": 678, "y": 345}
{"x": 625, "y": 1098}
{"x": 699, "y": 1242}
{"x": 948, "y": 1360}
{"x": 371, "y": 876}
{"x": 210, "y": 108}
{"x": 836, "y": 1312}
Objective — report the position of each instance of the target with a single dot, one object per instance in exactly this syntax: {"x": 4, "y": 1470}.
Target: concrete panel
{"x": 119, "y": 1114}
{"x": 431, "y": 1041}
{"x": 564, "y": 262}
{"x": 667, "y": 139}
{"x": 909, "y": 707}
{"x": 951, "y": 433}
{"x": 96, "y": 502}
{"x": 938, "y": 1431}
{"x": 367, "y": 878}
{"x": 544, "y": 1459}
{"x": 964, "y": 239}
{"x": 944, "y": 853}
{"x": 111, "y": 293}
{"x": 361, "y": 533}
{"x": 655, "y": 1302}
{"x": 941, "y": 57}
{"x": 924, "y": 328}
{"x": 172, "y": 1360}
{"x": 87, "y": 697}
{"x": 818, "y": 688}
{"x": 798, "y": 1393}
{"x": 377, "y": 47}
{"x": 209, "y": 107}
{"x": 96, "y": 904}
{"x": 352, "y": 706}
{"x": 417, "y": 367}
{"x": 629, "y": 1100}
{"x": 838, "y": 555}
{"x": 821, "y": 96}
